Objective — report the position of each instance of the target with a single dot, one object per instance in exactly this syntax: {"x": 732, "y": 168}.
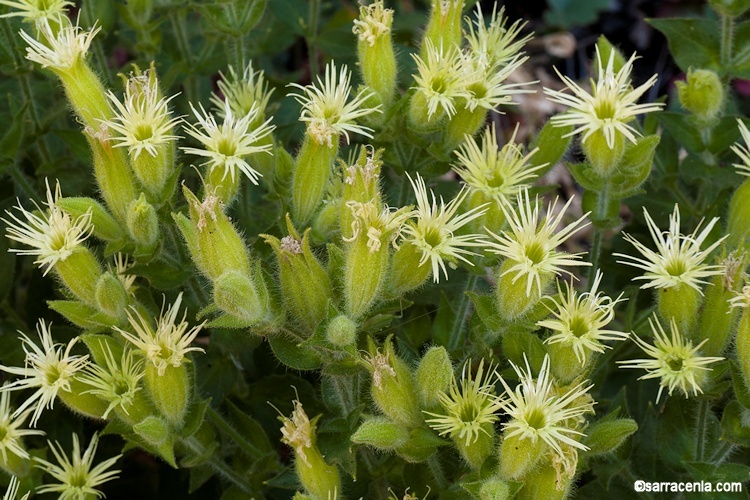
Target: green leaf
{"x": 162, "y": 274}
{"x": 235, "y": 17}
{"x": 569, "y": 13}
{"x": 443, "y": 323}
{"x": 250, "y": 429}
{"x": 8, "y": 265}
{"x": 740, "y": 67}
{"x": 678, "y": 125}
{"x": 634, "y": 168}
{"x": 484, "y": 307}
{"x": 82, "y": 315}
{"x": 608, "y": 434}
{"x": 11, "y": 141}
{"x": 693, "y": 42}
{"x": 552, "y": 145}
{"x": 105, "y": 226}
{"x": 292, "y": 355}
{"x": 733, "y": 425}
{"x": 586, "y": 176}
{"x": 741, "y": 390}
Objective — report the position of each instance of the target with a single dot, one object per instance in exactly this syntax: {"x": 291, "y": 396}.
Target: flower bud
{"x": 702, "y": 94}
{"x": 381, "y": 433}
{"x": 406, "y": 272}
{"x": 170, "y": 391}
{"x": 237, "y": 294}
{"x": 143, "y": 226}
{"x": 326, "y": 222}
{"x": 158, "y": 435}
{"x": 512, "y": 300}
{"x": 140, "y": 11}
{"x": 341, "y": 331}
{"x": 86, "y": 94}
{"x": 311, "y": 175}
{"x": 718, "y": 318}
{"x": 111, "y": 297}
{"x": 494, "y": 489}
{"x": 433, "y": 376}
{"x": 364, "y": 276}
{"x": 738, "y": 226}
{"x": 679, "y": 303}
{"x": 112, "y": 172}
{"x": 393, "y": 389}
{"x": 214, "y": 239}
{"x": 518, "y": 456}
{"x": 742, "y": 344}
{"x": 304, "y": 281}
{"x": 444, "y": 26}
{"x": 600, "y": 155}
{"x": 80, "y": 272}
{"x": 375, "y": 50}
{"x": 608, "y": 434}
{"x": 154, "y": 430}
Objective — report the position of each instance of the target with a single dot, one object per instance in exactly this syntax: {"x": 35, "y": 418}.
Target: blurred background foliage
{"x": 291, "y": 40}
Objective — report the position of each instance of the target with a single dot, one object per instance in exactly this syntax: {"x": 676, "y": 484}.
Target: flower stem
{"x": 727, "y": 38}
{"x": 218, "y": 465}
{"x": 700, "y": 433}
{"x": 454, "y": 340}
{"x": 433, "y": 464}
{"x": 312, "y": 34}
{"x": 224, "y": 426}
{"x": 596, "y": 245}
{"x": 722, "y": 453}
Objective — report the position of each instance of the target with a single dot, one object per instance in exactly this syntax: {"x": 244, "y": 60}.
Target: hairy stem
{"x": 218, "y": 465}
{"x": 312, "y": 35}
{"x": 700, "y": 432}
{"x": 215, "y": 418}
{"x": 727, "y": 39}
{"x": 454, "y": 340}
{"x": 596, "y": 245}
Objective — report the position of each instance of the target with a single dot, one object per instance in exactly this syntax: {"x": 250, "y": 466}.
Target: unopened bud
{"x": 143, "y": 226}
{"x": 393, "y": 389}
{"x": 381, "y": 433}
{"x": 434, "y": 375}
{"x": 304, "y": 281}
{"x": 702, "y": 94}
{"x": 341, "y": 331}
{"x": 444, "y": 26}
{"x": 170, "y": 391}
{"x": 312, "y": 172}
{"x": 111, "y": 297}
{"x": 80, "y": 272}
{"x": 237, "y": 294}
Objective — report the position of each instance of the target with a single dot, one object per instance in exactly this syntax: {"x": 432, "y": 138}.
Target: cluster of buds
{"x": 402, "y": 395}
{"x": 220, "y": 253}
